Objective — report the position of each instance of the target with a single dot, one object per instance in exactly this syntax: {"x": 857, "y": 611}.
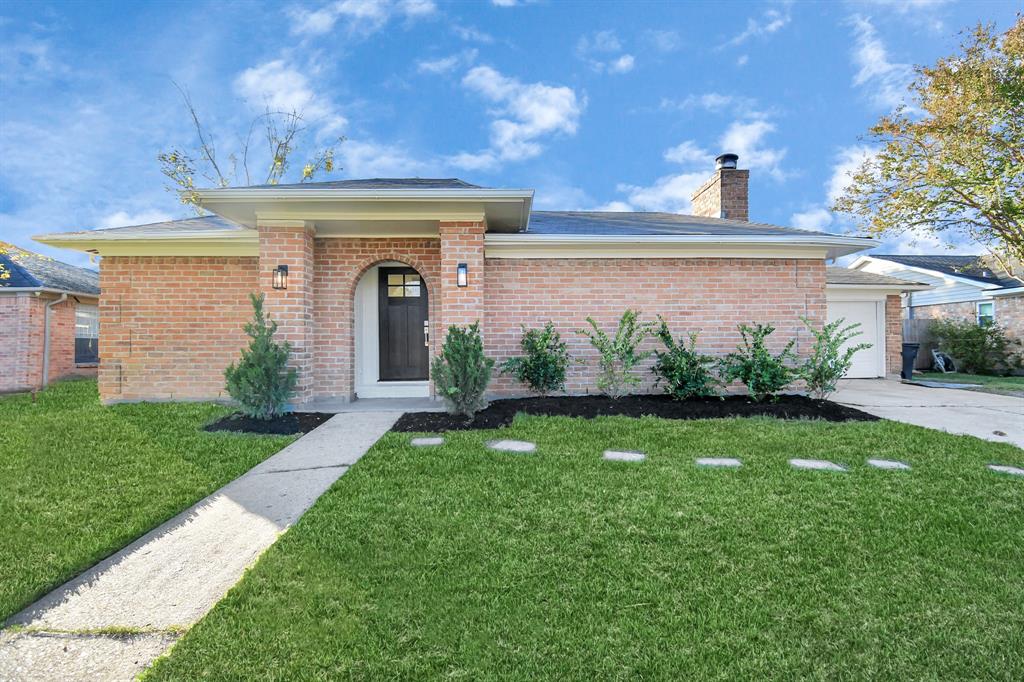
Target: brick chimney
{"x": 725, "y": 194}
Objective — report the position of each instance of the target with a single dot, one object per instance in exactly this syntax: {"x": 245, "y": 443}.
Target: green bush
{"x": 683, "y": 371}
{"x": 976, "y": 349}
{"x": 543, "y": 366}
{"x": 619, "y": 354}
{"x": 261, "y": 382}
{"x": 461, "y": 372}
{"x": 829, "y": 362}
{"x": 763, "y": 373}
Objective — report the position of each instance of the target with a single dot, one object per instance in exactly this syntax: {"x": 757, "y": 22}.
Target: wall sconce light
{"x": 462, "y": 275}
{"x": 281, "y": 277}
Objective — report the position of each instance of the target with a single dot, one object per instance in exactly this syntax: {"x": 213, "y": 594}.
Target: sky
{"x": 597, "y": 106}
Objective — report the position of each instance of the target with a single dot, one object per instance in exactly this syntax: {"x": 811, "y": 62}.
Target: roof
{"x": 377, "y": 183}
{"x": 975, "y": 268}
{"x": 845, "y": 276}
{"x": 196, "y": 226}
{"x": 641, "y": 223}
{"x": 32, "y": 271}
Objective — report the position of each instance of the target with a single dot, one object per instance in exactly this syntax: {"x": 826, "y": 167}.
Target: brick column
{"x": 462, "y": 242}
{"x": 290, "y": 243}
{"x": 116, "y": 335}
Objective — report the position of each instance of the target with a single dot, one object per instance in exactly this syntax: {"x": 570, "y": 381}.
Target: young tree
{"x": 619, "y": 354}
{"x": 829, "y": 361}
{"x": 461, "y": 372}
{"x": 281, "y": 132}
{"x": 954, "y": 163}
{"x": 261, "y": 382}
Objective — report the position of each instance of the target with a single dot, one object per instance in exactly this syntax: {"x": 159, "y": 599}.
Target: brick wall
{"x": 726, "y": 190}
{"x": 22, "y": 319}
{"x": 712, "y": 295}
{"x": 170, "y": 325}
{"x": 893, "y": 334}
{"x": 338, "y": 266}
{"x": 462, "y": 242}
{"x": 946, "y": 311}
{"x": 1010, "y": 315}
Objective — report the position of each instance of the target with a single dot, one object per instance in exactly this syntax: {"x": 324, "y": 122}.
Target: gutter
{"x": 393, "y": 195}
{"x": 518, "y": 239}
{"x": 47, "y": 290}
{"x": 1012, "y": 291}
{"x": 46, "y": 338}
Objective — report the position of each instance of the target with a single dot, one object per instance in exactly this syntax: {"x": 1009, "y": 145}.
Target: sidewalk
{"x": 116, "y": 618}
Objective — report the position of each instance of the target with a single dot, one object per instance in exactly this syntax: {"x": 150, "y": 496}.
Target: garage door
{"x": 867, "y": 363}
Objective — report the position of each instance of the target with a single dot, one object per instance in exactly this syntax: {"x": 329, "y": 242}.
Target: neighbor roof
{"x": 968, "y": 267}
{"x": 845, "y": 276}
{"x": 378, "y": 183}
{"x": 32, "y": 271}
{"x": 638, "y": 223}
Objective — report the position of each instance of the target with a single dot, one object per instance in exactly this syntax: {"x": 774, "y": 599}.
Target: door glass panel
{"x": 396, "y": 292}
{"x": 394, "y": 279}
{"x": 412, "y": 279}
{"x": 412, "y": 290}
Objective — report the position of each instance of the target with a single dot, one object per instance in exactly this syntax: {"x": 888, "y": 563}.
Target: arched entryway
{"x": 392, "y": 336}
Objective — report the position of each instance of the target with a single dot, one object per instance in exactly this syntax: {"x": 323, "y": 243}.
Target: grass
{"x": 79, "y": 480}
{"x": 460, "y": 563}
{"x": 986, "y": 382}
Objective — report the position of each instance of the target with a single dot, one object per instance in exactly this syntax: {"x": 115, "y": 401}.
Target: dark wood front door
{"x": 404, "y": 355}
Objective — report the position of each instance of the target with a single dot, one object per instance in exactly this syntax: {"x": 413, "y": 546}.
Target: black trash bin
{"x": 909, "y": 357}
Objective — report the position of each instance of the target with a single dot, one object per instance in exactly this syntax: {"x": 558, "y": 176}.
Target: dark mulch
{"x": 501, "y": 412}
{"x": 285, "y": 425}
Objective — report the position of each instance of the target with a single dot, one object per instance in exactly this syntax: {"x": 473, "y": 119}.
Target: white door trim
{"x": 877, "y": 343}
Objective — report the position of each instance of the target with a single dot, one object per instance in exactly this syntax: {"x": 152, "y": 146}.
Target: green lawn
{"x": 79, "y": 481}
{"x": 985, "y": 382}
{"x": 461, "y": 563}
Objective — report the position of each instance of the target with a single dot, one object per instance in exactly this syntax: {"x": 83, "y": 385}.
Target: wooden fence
{"x": 916, "y": 331}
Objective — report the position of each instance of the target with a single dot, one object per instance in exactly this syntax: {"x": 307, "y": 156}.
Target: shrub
{"x": 753, "y": 364}
{"x": 619, "y": 355}
{"x": 683, "y": 371}
{"x": 829, "y": 362}
{"x": 261, "y": 382}
{"x": 977, "y": 349}
{"x": 461, "y": 372}
{"x": 542, "y": 368}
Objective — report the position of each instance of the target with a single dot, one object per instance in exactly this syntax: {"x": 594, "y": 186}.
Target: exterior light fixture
{"x": 462, "y": 275}
{"x": 281, "y": 277}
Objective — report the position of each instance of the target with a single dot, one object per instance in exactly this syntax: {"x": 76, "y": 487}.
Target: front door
{"x": 404, "y": 352}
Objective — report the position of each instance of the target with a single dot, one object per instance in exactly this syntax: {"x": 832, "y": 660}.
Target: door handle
{"x": 426, "y": 333}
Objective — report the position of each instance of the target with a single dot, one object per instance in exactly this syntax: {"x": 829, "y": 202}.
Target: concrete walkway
{"x": 116, "y": 618}
{"x": 998, "y": 418}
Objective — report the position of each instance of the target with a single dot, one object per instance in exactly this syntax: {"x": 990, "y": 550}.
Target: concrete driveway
{"x": 998, "y": 418}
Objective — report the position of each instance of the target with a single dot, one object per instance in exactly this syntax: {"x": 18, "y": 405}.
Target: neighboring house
{"x": 49, "y": 320}
{"x": 962, "y": 287}
{"x": 364, "y": 276}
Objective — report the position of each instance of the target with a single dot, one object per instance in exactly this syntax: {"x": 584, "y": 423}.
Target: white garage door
{"x": 867, "y": 363}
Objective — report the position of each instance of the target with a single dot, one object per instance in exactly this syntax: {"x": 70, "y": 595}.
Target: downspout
{"x": 46, "y": 338}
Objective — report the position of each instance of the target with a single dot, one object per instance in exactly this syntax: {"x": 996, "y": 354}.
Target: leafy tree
{"x": 261, "y": 382}
{"x": 763, "y": 373}
{"x": 546, "y": 358}
{"x": 461, "y": 372}
{"x": 976, "y": 348}
{"x": 684, "y": 372}
{"x": 281, "y": 132}
{"x": 828, "y": 361}
{"x": 619, "y": 355}
{"x": 954, "y": 163}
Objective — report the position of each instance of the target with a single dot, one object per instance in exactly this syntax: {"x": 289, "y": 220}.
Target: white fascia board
{"x": 894, "y": 289}
{"x": 264, "y": 193}
{"x": 45, "y": 290}
{"x": 1015, "y": 291}
{"x": 175, "y": 235}
{"x": 927, "y": 271}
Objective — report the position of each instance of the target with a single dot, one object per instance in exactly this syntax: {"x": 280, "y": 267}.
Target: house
{"x": 364, "y": 277}
{"x": 962, "y": 287}
{"x": 49, "y": 320}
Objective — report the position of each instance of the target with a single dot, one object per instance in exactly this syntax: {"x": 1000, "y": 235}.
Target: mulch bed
{"x": 285, "y": 425}
{"x": 501, "y": 412}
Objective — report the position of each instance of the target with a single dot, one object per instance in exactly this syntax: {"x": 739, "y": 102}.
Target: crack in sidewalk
{"x": 288, "y": 471}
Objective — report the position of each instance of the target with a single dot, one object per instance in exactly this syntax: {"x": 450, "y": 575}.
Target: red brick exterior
{"x": 1010, "y": 315}
{"x": 725, "y": 191}
{"x": 22, "y": 320}
{"x": 893, "y": 334}
{"x": 1009, "y": 311}
{"x": 462, "y": 243}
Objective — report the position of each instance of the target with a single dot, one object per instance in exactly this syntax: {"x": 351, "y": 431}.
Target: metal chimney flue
{"x": 726, "y": 162}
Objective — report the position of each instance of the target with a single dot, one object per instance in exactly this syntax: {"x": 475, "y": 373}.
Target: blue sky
{"x": 615, "y": 106}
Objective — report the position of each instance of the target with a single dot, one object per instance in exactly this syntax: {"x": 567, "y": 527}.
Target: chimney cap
{"x": 727, "y": 161}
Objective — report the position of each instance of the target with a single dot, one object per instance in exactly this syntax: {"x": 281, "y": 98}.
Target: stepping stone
{"x": 427, "y": 441}
{"x": 624, "y": 456}
{"x": 888, "y": 464}
{"x": 512, "y": 445}
{"x": 1003, "y": 469}
{"x": 718, "y": 462}
{"x": 816, "y": 464}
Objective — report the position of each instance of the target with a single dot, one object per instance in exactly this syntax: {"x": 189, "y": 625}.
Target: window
{"x": 87, "y": 334}
{"x": 403, "y": 286}
{"x": 986, "y": 313}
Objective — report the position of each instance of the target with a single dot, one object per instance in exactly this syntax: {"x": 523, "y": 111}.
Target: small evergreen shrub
{"x": 763, "y": 373}
{"x": 977, "y": 349}
{"x": 683, "y": 371}
{"x": 619, "y": 354}
{"x": 461, "y": 372}
{"x": 261, "y": 382}
{"x": 545, "y": 359}
{"x": 829, "y": 362}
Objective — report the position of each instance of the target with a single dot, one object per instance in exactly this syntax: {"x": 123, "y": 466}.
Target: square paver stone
{"x": 718, "y": 462}
{"x": 427, "y": 441}
{"x": 1003, "y": 469}
{"x": 512, "y": 445}
{"x": 816, "y": 464}
{"x": 889, "y": 464}
{"x": 624, "y": 456}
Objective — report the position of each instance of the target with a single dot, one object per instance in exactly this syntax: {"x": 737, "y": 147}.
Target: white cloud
{"x": 770, "y": 21}
{"x": 623, "y": 64}
{"x": 472, "y": 34}
{"x": 742, "y": 60}
{"x": 712, "y": 101}
{"x": 525, "y": 112}
{"x": 746, "y": 138}
{"x": 884, "y": 81}
{"x": 367, "y": 159}
{"x": 143, "y": 217}
{"x": 848, "y": 161}
{"x": 603, "y": 52}
{"x": 663, "y": 41}
{"x": 281, "y": 87}
{"x": 812, "y": 219}
{"x": 615, "y": 207}
{"x": 360, "y": 16}
{"x": 446, "y": 64}
{"x": 688, "y": 152}
{"x": 670, "y": 193}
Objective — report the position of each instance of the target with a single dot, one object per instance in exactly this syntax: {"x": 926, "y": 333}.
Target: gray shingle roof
{"x": 196, "y": 225}
{"x": 377, "y": 183}
{"x": 969, "y": 267}
{"x": 30, "y": 270}
{"x": 607, "y": 223}
{"x": 837, "y": 275}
